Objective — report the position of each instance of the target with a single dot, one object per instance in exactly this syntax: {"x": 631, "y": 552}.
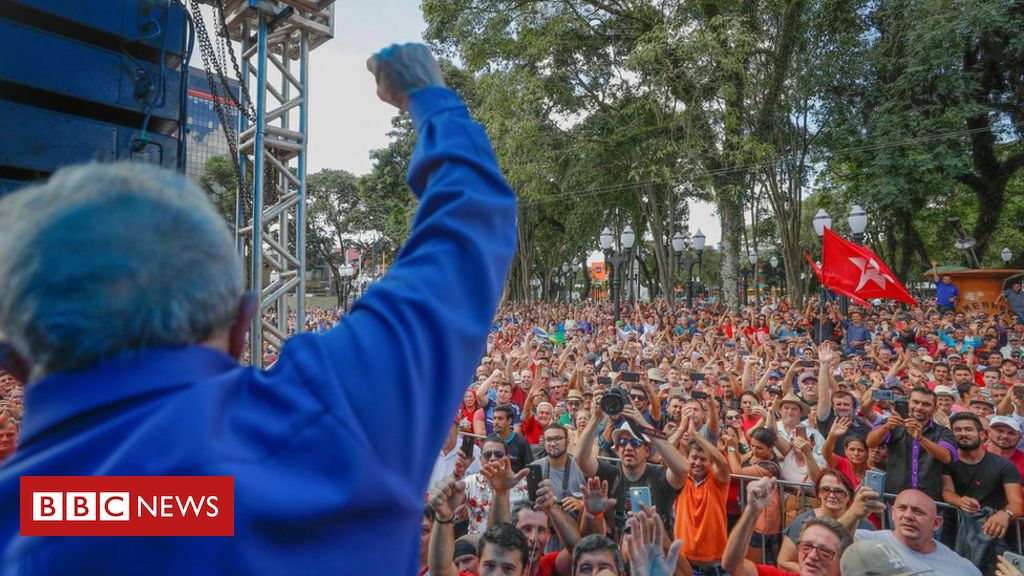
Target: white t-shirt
{"x": 941, "y": 561}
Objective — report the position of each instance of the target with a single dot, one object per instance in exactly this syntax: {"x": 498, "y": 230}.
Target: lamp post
{"x": 565, "y": 281}
{"x": 775, "y": 265}
{"x": 679, "y": 244}
{"x": 1007, "y": 255}
{"x": 627, "y": 238}
{"x": 821, "y": 221}
{"x": 344, "y": 282}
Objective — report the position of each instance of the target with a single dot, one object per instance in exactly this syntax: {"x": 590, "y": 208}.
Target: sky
{"x": 347, "y": 120}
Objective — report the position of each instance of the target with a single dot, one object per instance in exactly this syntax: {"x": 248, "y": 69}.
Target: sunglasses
{"x": 638, "y": 397}
{"x": 623, "y": 442}
{"x": 732, "y": 416}
{"x": 836, "y": 491}
{"x": 493, "y": 454}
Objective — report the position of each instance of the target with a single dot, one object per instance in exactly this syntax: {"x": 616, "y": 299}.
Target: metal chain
{"x": 209, "y": 57}
{"x": 234, "y": 60}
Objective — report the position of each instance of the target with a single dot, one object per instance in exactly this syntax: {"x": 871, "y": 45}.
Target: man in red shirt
{"x": 1003, "y": 438}
{"x": 821, "y": 544}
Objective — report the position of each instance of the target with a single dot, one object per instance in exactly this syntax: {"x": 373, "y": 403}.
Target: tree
{"x": 334, "y": 219}
{"x": 219, "y": 183}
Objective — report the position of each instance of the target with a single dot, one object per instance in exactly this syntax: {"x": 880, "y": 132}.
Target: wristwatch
{"x": 731, "y": 449}
{"x": 1010, "y": 513}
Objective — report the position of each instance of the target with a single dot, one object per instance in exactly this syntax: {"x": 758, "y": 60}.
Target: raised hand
{"x": 546, "y": 495}
{"x": 758, "y": 493}
{"x": 401, "y": 70}
{"x": 643, "y": 544}
{"x": 449, "y": 494}
{"x": 840, "y": 426}
{"x": 595, "y": 496}
{"x": 500, "y": 476}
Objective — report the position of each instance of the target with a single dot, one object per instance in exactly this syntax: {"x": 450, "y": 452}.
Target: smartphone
{"x": 699, "y": 395}
{"x": 1016, "y": 559}
{"x": 630, "y": 376}
{"x": 801, "y": 431}
{"x": 744, "y": 352}
{"x": 883, "y": 395}
{"x": 606, "y": 380}
{"x": 467, "y": 447}
{"x": 533, "y": 482}
{"x": 875, "y": 480}
{"x": 902, "y": 407}
{"x": 638, "y": 494}
{"x": 807, "y": 363}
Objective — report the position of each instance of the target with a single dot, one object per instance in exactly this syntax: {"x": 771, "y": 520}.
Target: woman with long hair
{"x": 762, "y": 463}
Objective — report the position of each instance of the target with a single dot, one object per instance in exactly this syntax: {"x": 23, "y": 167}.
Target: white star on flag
{"x": 869, "y": 271}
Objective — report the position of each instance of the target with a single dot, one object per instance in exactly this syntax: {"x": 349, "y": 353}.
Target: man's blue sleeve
{"x": 394, "y": 371}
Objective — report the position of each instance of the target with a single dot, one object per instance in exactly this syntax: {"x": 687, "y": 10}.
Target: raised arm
{"x": 734, "y": 560}
{"x": 584, "y": 453}
{"x": 445, "y": 498}
{"x": 430, "y": 322}
{"x": 824, "y": 406}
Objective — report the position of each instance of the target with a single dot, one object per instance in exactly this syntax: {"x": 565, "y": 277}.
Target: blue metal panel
{"x": 40, "y": 140}
{"x": 74, "y": 69}
{"x": 129, "y": 19}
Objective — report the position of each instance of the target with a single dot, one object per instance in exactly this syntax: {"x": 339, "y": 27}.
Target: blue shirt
{"x": 945, "y": 293}
{"x": 332, "y": 448}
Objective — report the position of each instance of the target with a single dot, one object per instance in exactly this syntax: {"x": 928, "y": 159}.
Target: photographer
{"x": 633, "y": 469}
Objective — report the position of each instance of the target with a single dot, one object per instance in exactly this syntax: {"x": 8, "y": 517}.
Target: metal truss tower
{"x": 276, "y": 37}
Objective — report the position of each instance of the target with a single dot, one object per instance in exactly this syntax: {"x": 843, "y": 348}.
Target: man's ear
{"x": 248, "y": 306}
{"x": 14, "y": 363}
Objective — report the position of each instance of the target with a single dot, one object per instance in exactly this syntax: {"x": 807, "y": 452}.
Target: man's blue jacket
{"x": 332, "y": 448}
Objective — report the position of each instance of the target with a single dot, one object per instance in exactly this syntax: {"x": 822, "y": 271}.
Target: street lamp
{"x": 627, "y": 238}
{"x": 858, "y": 220}
{"x": 775, "y": 273}
{"x": 344, "y": 282}
{"x": 1007, "y": 255}
{"x": 698, "y": 245}
{"x": 680, "y": 243}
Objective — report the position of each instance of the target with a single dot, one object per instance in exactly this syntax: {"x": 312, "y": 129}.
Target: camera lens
{"x": 613, "y": 401}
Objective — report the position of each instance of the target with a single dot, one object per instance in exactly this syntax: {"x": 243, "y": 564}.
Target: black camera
{"x": 614, "y": 400}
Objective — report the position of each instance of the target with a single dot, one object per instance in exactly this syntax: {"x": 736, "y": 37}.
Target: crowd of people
{"x": 762, "y": 442}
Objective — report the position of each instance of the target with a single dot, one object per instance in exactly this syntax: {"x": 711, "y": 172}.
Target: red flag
{"x": 857, "y": 272}
{"x": 840, "y": 289}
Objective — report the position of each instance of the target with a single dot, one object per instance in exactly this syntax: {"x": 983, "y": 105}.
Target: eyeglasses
{"x": 623, "y": 442}
{"x": 837, "y": 491}
{"x": 638, "y": 397}
{"x": 732, "y": 416}
{"x": 824, "y": 552}
{"x": 493, "y": 454}
{"x": 554, "y": 439}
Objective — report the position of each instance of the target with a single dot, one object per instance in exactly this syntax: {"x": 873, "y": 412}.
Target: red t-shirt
{"x": 766, "y": 570}
{"x": 547, "y": 565}
{"x": 1017, "y": 459}
{"x": 532, "y": 430}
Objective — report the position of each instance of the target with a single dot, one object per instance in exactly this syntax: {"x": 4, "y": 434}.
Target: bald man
{"x": 916, "y": 519}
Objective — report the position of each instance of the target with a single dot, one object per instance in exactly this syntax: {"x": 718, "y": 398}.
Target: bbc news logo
{"x": 127, "y": 506}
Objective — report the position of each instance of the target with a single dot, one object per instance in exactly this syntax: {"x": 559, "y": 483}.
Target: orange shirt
{"x": 700, "y": 519}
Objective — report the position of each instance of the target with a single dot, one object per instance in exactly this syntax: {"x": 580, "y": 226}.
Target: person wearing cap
{"x": 820, "y": 545}
{"x": 1003, "y": 440}
{"x": 633, "y": 468}
{"x": 1008, "y": 373}
{"x": 1013, "y": 344}
{"x": 573, "y": 403}
{"x": 945, "y": 400}
{"x": 982, "y": 404}
{"x": 915, "y": 520}
{"x": 876, "y": 558}
{"x": 465, "y": 555}
{"x": 979, "y": 479}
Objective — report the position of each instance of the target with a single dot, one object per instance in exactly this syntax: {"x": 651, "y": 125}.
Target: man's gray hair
{"x": 845, "y": 538}
{"x": 106, "y": 259}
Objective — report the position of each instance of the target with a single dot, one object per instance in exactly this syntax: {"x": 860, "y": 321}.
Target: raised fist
{"x": 402, "y": 70}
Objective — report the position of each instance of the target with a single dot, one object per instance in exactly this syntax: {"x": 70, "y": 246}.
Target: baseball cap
{"x": 1007, "y": 421}
{"x": 808, "y": 376}
{"x": 624, "y": 428}
{"x": 983, "y": 397}
{"x": 775, "y": 374}
{"x": 875, "y": 558}
{"x": 946, "y": 391}
{"x": 927, "y": 359}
